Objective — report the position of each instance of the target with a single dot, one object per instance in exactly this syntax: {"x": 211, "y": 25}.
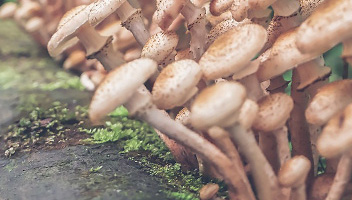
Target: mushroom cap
{"x": 232, "y": 51}
{"x": 208, "y": 191}
{"x": 160, "y": 46}
{"x": 119, "y": 85}
{"x": 167, "y": 11}
{"x": 218, "y": 105}
{"x": 329, "y": 100}
{"x": 222, "y": 28}
{"x": 282, "y": 56}
{"x": 101, "y": 9}
{"x": 7, "y": 10}
{"x": 294, "y": 172}
{"x": 274, "y": 110}
{"x": 248, "y": 113}
{"x": 176, "y": 84}
{"x": 65, "y": 35}
{"x": 34, "y": 24}
{"x": 183, "y": 116}
{"x": 336, "y": 136}
{"x": 217, "y": 7}
{"x": 328, "y": 25}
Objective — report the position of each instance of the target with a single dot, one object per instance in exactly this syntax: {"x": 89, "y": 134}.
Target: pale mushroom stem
{"x": 299, "y": 193}
{"x": 200, "y": 146}
{"x": 283, "y": 148}
{"x": 133, "y": 21}
{"x": 196, "y": 20}
{"x": 264, "y": 177}
{"x": 342, "y": 178}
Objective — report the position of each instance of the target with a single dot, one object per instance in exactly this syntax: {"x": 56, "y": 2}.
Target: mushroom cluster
{"x": 208, "y": 76}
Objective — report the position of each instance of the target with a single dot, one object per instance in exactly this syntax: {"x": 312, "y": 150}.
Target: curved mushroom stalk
{"x": 131, "y": 18}
{"x": 225, "y": 99}
{"x": 336, "y": 139}
{"x": 120, "y": 87}
{"x": 74, "y": 26}
{"x": 321, "y": 31}
{"x": 293, "y": 174}
{"x": 7, "y": 10}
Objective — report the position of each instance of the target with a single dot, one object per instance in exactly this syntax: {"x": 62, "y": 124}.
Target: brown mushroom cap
{"x": 119, "y": 85}
{"x": 232, "y": 51}
{"x": 160, "y": 46}
{"x": 336, "y": 136}
{"x": 176, "y": 84}
{"x": 101, "y": 9}
{"x": 218, "y": 105}
{"x": 328, "y": 25}
{"x": 294, "y": 172}
{"x": 329, "y": 100}
{"x": 274, "y": 110}
{"x": 65, "y": 36}
{"x": 283, "y": 56}
{"x": 167, "y": 11}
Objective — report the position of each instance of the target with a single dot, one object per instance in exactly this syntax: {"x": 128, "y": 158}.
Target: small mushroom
{"x": 224, "y": 57}
{"x": 208, "y": 191}
{"x": 285, "y": 7}
{"x": 75, "y": 59}
{"x": 217, "y": 7}
{"x": 7, "y": 10}
{"x": 74, "y": 26}
{"x": 219, "y": 105}
{"x": 293, "y": 174}
{"x": 176, "y": 84}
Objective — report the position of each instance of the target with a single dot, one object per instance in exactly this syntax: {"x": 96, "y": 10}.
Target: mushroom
{"x": 274, "y": 111}
{"x": 285, "y": 7}
{"x": 75, "y": 59}
{"x": 347, "y": 51}
{"x": 293, "y": 174}
{"x": 336, "y": 139}
{"x": 7, "y": 10}
{"x": 321, "y": 31}
{"x": 219, "y": 105}
{"x": 119, "y": 87}
{"x": 74, "y": 26}
{"x": 224, "y": 57}
{"x": 131, "y": 18}
{"x": 329, "y": 100}
{"x": 35, "y": 26}
{"x": 217, "y": 7}
{"x": 176, "y": 84}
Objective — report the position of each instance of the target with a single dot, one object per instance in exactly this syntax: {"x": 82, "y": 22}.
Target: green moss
{"x": 42, "y": 125}
{"x": 139, "y": 142}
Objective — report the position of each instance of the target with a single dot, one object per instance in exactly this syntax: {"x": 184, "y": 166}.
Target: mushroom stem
{"x": 285, "y": 7}
{"x": 199, "y": 145}
{"x": 283, "y": 148}
{"x": 264, "y": 177}
{"x": 299, "y": 193}
{"x": 196, "y": 21}
{"x": 133, "y": 21}
{"x": 342, "y": 178}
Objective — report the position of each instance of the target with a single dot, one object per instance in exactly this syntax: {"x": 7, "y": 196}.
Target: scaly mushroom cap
{"x": 65, "y": 36}
{"x": 294, "y": 172}
{"x": 167, "y": 11}
{"x": 7, "y": 10}
{"x": 308, "y": 7}
{"x": 217, "y": 7}
{"x": 336, "y": 137}
{"x": 160, "y": 46}
{"x": 222, "y": 28}
{"x": 119, "y": 85}
{"x": 232, "y": 51}
{"x": 176, "y": 84}
{"x": 274, "y": 110}
{"x": 283, "y": 56}
{"x": 329, "y": 100}
{"x": 101, "y": 9}
{"x": 328, "y": 25}
{"x": 218, "y": 105}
